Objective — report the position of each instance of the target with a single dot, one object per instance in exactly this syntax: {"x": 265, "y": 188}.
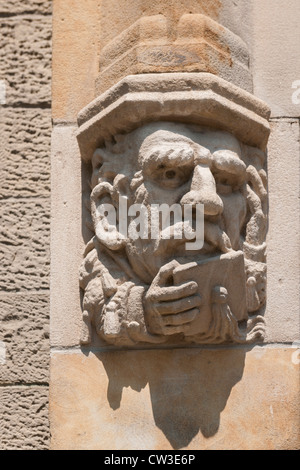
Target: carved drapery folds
{"x": 176, "y": 139}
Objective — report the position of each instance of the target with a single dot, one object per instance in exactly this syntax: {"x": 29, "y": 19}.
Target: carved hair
{"x": 116, "y": 170}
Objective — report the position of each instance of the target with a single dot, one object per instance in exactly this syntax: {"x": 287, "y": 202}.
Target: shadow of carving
{"x": 189, "y": 389}
{"x": 87, "y": 230}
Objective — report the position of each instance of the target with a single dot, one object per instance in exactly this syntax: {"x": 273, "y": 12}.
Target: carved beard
{"x": 222, "y": 234}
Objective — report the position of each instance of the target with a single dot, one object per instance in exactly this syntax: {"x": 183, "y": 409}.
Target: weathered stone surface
{"x": 25, "y": 152}
{"x": 24, "y": 418}
{"x": 274, "y": 48}
{"x": 276, "y": 58}
{"x": 195, "y": 43}
{"x": 282, "y": 314}
{"x": 67, "y": 231}
{"x": 218, "y": 399}
{"x": 76, "y": 56}
{"x": 197, "y": 98}
{"x": 26, "y": 59}
{"x": 160, "y": 285}
{"x": 24, "y": 335}
{"x": 75, "y": 61}
{"x": 179, "y": 399}
{"x": 25, "y": 6}
{"x": 25, "y": 74}
{"x": 121, "y": 13}
{"x": 24, "y": 240}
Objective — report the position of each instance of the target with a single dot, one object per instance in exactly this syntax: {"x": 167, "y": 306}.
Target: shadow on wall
{"x": 189, "y": 388}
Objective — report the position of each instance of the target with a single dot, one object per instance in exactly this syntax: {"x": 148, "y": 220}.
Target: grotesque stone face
{"x": 146, "y": 289}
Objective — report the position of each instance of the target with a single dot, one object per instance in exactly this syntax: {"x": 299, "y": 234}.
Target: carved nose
{"x": 203, "y": 191}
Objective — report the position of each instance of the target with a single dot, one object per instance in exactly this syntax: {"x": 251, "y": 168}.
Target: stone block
{"x": 26, "y": 59}
{"x": 175, "y": 399}
{"x": 24, "y": 241}
{"x": 24, "y": 336}
{"x": 24, "y": 418}
{"x": 283, "y": 277}
{"x": 195, "y": 43}
{"x": 25, "y": 6}
{"x": 67, "y": 231}
{"x": 25, "y": 152}
{"x": 122, "y": 14}
{"x": 276, "y": 58}
{"x": 198, "y": 98}
{"x": 75, "y": 56}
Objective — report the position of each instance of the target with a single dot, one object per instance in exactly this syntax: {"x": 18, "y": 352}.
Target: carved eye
{"x": 170, "y": 178}
{"x": 226, "y": 183}
{"x": 97, "y": 165}
{"x": 170, "y": 174}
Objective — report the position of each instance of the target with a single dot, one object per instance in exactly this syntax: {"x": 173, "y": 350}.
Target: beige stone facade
{"x": 151, "y": 348}
{"x": 176, "y": 400}
{"x": 25, "y": 123}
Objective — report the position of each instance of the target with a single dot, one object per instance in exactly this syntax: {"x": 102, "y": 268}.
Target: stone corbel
{"x": 177, "y": 138}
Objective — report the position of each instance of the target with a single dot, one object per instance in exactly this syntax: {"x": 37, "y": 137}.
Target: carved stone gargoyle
{"x": 202, "y": 143}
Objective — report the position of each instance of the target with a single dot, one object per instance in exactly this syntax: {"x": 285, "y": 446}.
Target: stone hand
{"x": 170, "y": 309}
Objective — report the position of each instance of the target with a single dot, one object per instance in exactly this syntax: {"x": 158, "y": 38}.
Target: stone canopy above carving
{"x": 196, "y": 98}
{"x": 201, "y": 148}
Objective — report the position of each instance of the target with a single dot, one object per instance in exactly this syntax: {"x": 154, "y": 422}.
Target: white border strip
{"x": 2, "y": 353}
{"x": 2, "y": 92}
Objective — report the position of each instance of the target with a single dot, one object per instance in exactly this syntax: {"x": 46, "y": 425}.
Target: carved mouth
{"x": 215, "y": 242}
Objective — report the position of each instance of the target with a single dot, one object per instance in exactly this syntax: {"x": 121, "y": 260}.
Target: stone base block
{"x": 175, "y": 399}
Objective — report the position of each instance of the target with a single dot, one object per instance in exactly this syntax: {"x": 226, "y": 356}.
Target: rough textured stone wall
{"x": 25, "y": 128}
{"x": 247, "y": 398}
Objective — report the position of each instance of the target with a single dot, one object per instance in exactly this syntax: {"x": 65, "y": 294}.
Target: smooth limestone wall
{"x": 25, "y": 130}
{"x": 199, "y": 398}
